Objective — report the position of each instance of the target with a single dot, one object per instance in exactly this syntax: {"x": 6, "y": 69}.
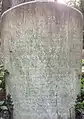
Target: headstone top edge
{"x": 42, "y": 2}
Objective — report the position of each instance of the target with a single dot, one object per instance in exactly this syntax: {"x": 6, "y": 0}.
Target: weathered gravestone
{"x": 6, "y": 4}
{"x": 42, "y": 45}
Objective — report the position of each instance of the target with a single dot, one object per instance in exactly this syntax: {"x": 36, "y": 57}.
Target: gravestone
{"x": 42, "y": 47}
{"x": 6, "y": 4}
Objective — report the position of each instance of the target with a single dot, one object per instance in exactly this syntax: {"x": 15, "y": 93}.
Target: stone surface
{"x": 6, "y": 4}
{"x": 42, "y": 46}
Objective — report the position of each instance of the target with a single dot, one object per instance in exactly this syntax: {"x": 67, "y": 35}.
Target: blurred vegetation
{"x": 79, "y": 107}
{"x": 78, "y": 4}
{"x": 3, "y": 74}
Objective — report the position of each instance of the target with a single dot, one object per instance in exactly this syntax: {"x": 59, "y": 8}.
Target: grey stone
{"x": 42, "y": 47}
{"x": 6, "y": 4}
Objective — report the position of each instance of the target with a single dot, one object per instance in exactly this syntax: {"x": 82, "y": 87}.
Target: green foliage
{"x": 79, "y": 107}
{"x": 82, "y": 62}
{"x": 6, "y": 108}
{"x": 3, "y": 74}
{"x": 2, "y": 79}
{"x": 6, "y": 104}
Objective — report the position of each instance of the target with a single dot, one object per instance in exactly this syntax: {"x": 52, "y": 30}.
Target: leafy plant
{"x": 82, "y": 62}
{"x": 3, "y": 74}
{"x": 79, "y": 106}
{"x": 6, "y": 104}
{"x": 6, "y": 108}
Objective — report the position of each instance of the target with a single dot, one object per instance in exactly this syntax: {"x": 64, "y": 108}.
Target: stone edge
{"x": 32, "y": 2}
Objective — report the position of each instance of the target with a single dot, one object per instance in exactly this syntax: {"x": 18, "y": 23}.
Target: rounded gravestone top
{"x": 61, "y": 7}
